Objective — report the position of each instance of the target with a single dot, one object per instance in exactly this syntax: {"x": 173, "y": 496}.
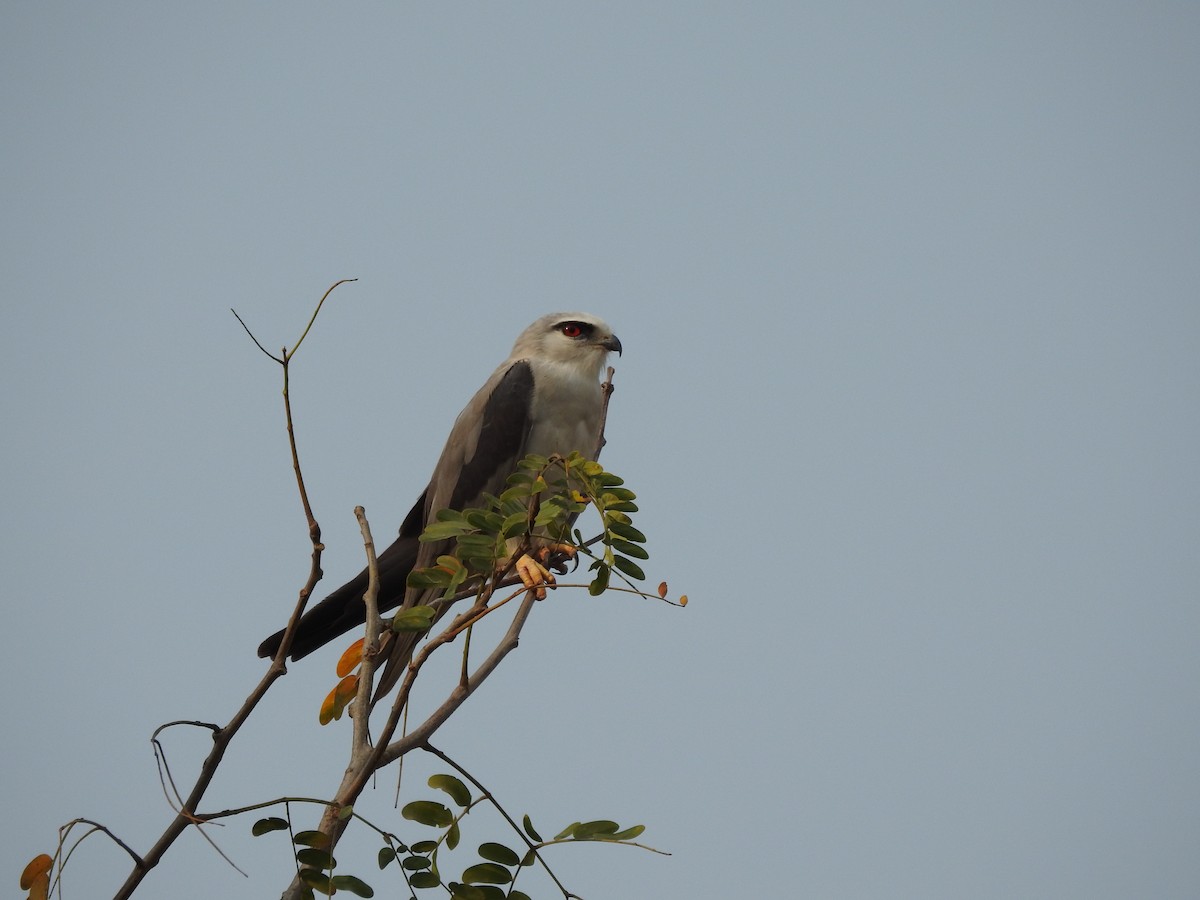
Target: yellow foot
{"x": 534, "y": 575}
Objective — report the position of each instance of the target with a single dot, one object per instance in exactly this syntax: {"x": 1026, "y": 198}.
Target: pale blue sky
{"x": 910, "y": 297}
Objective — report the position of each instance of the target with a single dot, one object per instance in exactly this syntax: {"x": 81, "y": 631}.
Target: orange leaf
{"x": 346, "y": 689}
{"x": 338, "y": 699}
{"x": 662, "y": 590}
{"x": 351, "y": 658}
{"x": 326, "y": 714}
{"x": 38, "y": 867}
{"x": 683, "y": 599}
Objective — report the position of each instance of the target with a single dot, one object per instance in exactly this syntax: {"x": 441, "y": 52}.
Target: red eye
{"x": 572, "y": 329}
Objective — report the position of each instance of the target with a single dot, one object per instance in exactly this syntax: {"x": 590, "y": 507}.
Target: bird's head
{"x": 571, "y": 338}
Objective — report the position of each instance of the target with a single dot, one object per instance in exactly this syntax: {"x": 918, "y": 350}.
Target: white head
{"x": 571, "y": 338}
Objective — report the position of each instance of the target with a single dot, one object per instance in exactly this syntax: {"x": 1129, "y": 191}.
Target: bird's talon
{"x": 555, "y": 556}
{"x": 535, "y": 576}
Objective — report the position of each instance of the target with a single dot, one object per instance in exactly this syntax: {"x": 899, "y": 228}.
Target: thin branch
{"x": 253, "y": 338}
{"x": 165, "y": 778}
{"x": 314, "y": 529}
{"x": 458, "y": 696}
{"x": 222, "y": 737}
{"x": 316, "y": 312}
{"x": 225, "y": 856}
{"x": 366, "y": 670}
{"x": 96, "y": 826}
{"x": 606, "y": 389}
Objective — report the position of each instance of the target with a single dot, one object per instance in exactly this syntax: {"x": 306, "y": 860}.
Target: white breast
{"x": 565, "y": 410}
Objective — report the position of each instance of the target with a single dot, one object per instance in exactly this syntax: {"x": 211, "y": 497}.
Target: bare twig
{"x": 65, "y": 830}
{"x": 223, "y": 736}
{"x": 316, "y": 312}
{"x": 253, "y": 338}
{"x": 458, "y": 696}
{"x": 370, "y": 651}
{"x": 607, "y": 390}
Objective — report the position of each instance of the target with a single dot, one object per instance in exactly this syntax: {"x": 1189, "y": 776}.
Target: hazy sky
{"x": 910, "y": 301}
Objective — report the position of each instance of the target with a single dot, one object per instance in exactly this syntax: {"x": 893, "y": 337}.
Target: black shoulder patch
{"x": 501, "y": 438}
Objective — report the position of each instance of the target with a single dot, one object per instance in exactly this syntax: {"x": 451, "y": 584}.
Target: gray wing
{"x": 484, "y": 446}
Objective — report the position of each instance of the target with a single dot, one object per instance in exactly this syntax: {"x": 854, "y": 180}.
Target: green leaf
{"x": 608, "y": 479}
{"x": 415, "y": 863}
{"x": 589, "y": 830}
{"x": 446, "y": 561}
{"x": 600, "y": 582}
{"x": 511, "y": 507}
{"x": 629, "y": 549}
{"x": 311, "y": 839}
{"x": 453, "y": 836}
{"x": 318, "y": 859}
{"x": 466, "y": 892}
{"x": 548, "y": 514}
{"x": 487, "y": 873}
{"x": 345, "y": 812}
{"x": 441, "y": 531}
{"x": 424, "y": 846}
{"x": 515, "y": 492}
{"x": 454, "y": 787}
{"x": 529, "y": 858}
{"x": 424, "y": 880}
{"x": 589, "y": 467}
{"x": 514, "y": 524}
{"x": 629, "y": 567}
{"x": 477, "y": 546}
{"x": 566, "y": 831}
{"x": 427, "y": 812}
{"x": 415, "y": 618}
{"x": 317, "y": 880}
{"x": 624, "y": 506}
{"x": 266, "y": 826}
{"x": 627, "y": 835}
{"x": 624, "y": 530}
{"x": 519, "y": 895}
{"x": 426, "y": 578}
{"x": 386, "y": 857}
{"x": 498, "y": 853}
{"x": 529, "y": 829}
{"x": 618, "y": 495}
{"x": 483, "y": 520}
{"x": 355, "y": 886}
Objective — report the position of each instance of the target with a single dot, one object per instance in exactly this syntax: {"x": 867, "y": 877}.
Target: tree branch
{"x": 223, "y": 736}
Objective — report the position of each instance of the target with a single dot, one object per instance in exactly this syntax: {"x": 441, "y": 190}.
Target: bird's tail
{"x": 344, "y": 609}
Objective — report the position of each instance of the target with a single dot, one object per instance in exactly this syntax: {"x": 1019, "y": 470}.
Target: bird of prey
{"x": 545, "y": 398}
